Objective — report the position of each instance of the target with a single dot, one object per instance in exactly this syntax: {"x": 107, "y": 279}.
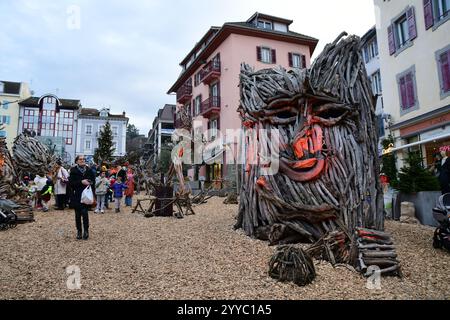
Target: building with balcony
{"x": 160, "y": 136}
{"x": 90, "y": 122}
{"x": 53, "y": 121}
{"x": 414, "y": 49}
{"x": 11, "y": 93}
{"x": 208, "y": 87}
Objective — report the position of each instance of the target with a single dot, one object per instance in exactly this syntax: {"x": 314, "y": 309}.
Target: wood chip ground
{"x": 199, "y": 257}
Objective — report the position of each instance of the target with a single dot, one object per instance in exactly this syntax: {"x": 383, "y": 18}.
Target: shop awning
{"x": 443, "y": 136}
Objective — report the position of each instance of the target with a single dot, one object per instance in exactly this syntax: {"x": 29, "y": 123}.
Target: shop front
{"x": 428, "y": 134}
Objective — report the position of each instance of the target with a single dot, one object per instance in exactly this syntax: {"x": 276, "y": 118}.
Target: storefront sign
{"x": 444, "y": 148}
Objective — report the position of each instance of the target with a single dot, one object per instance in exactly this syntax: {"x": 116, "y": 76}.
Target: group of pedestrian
{"x": 67, "y": 186}
{"x": 105, "y": 184}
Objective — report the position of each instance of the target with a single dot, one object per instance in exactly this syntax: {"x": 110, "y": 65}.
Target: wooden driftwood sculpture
{"x": 14, "y": 207}
{"x": 328, "y": 159}
{"x": 31, "y": 156}
{"x": 9, "y": 176}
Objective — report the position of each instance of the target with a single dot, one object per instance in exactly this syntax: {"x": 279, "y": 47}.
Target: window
{"x": 114, "y": 145}
{"x": 65, "y": 126}
{"x": 48, "y": 117}
{"x": 443, "y": 63}
{"x": 2, "y": 87}
{"x": 370, "y": 51}
{"x": 441, "y": 9}
{"x": 297, "y": 60}
{"x": 197, "y": 78}
{"x": 104, "y": 113}
{"x": 213, "y": 125}
{"x": 264, "y": 24}
{"x": 87, "y": 144}
{"x": 31, "y": 119}
{"x": 407, "y": 91}
{"x": 188, "y": 109}
{"x": 380, "y": 125}
{"x": 115, "y": 131}
{"x": 5, "y": 120}
{"x": 266, "y": 55}
{"x": 376, "y": 82}
{"x": 89, "y": 129}
{"x": 5, "y": 104}
{"x": 197, "y": 105}
{"x": 436, "y": 12}
{"x": 402, "y": 31}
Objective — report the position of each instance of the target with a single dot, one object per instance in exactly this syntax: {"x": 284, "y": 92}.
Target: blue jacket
{"x": 118, "y": 189}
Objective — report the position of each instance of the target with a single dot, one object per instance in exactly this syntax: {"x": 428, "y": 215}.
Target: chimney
{"x": 124, "y": 113}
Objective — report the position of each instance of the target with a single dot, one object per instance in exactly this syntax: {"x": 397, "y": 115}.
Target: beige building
{"x": 414, "y": 49}
{"x": 11, "y": 93}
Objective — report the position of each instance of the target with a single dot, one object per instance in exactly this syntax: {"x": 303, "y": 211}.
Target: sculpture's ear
{"x": 339, "y": 72}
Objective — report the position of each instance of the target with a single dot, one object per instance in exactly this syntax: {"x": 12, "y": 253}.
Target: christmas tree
{"x": 104, "y": 152}
{"x": 415, "y": 178}
{"x": 388, "y": 162}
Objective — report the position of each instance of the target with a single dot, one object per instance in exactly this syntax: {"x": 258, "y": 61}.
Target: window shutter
{"x": 391, "y": 39}
{"x": 274, "y": 56}
{"x": 428, "y": 12}
{"x": 303, "y": 61}
{"x": 218, "y": 123}
{"x": 412, "y": 29}
{"x": 258, "y": 53}
{"x": 403, "y": 93}
{"x": 445, "y": 70}
{"x": 291, "y": 63}
{"x": 410, "y": 90}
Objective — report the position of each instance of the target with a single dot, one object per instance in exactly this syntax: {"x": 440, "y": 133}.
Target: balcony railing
{"x": 211, "y": 71}
{"x": 210, "y": 106}
{"x": 184, "y": 94}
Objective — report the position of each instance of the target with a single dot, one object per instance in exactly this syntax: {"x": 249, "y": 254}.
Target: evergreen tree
{"x": 415, "y": 178}
{"x": 388, "y": 162}
{"x": 105, "y": 151}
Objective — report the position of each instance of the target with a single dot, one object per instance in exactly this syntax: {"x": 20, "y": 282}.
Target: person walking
{"x": 62, "y": 178}
{"x": 118, "y": 188}
{"x": 40, "y": 181}
{"x": 101, "y": 187}
{"x": 444, "y": 173}
{"x": 46, "y": 194}
{"x": 79, "y": 179}
{"x": 129, "y": 192}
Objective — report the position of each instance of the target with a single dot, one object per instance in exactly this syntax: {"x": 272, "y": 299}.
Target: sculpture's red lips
{"x": 305, "y": 169}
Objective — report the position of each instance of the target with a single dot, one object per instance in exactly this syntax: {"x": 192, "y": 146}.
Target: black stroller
{"x": 441, "y": 213}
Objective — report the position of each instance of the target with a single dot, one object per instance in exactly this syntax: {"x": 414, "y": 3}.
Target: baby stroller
{"x": 441, "y": 213}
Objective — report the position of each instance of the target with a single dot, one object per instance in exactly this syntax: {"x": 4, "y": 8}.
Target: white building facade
{"x": 91, "y": 122}
{"x": 414, "y": 48}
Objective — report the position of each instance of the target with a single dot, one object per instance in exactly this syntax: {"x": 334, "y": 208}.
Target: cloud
{"x": 126, "y": 55}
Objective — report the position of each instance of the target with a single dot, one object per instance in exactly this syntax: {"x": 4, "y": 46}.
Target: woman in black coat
{"x": 80, "y": 177}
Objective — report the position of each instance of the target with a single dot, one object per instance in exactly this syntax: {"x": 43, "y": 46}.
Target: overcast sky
{"x": 126, "y": 54}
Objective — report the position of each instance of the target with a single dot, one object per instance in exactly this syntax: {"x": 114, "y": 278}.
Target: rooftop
{"x": 92, "y": 112}
{"x": 11, "y": 87}
{"x": 217, "y": 35}
{"x": 65, "y": 103}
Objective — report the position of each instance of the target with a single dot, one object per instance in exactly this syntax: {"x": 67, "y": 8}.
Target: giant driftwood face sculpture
{"x": 328, "y": 160}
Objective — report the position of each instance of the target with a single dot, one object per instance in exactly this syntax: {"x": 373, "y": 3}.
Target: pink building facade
{"x": 209, "y": 84}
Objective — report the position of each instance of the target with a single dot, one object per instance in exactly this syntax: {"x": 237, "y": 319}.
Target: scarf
{"x": 82, "y": 169}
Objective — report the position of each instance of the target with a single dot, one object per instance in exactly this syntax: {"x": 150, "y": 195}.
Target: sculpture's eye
{"x": 331, "y": 113}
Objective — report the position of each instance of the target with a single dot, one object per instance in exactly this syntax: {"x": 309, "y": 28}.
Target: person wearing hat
{"x": 62, "y": 179}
